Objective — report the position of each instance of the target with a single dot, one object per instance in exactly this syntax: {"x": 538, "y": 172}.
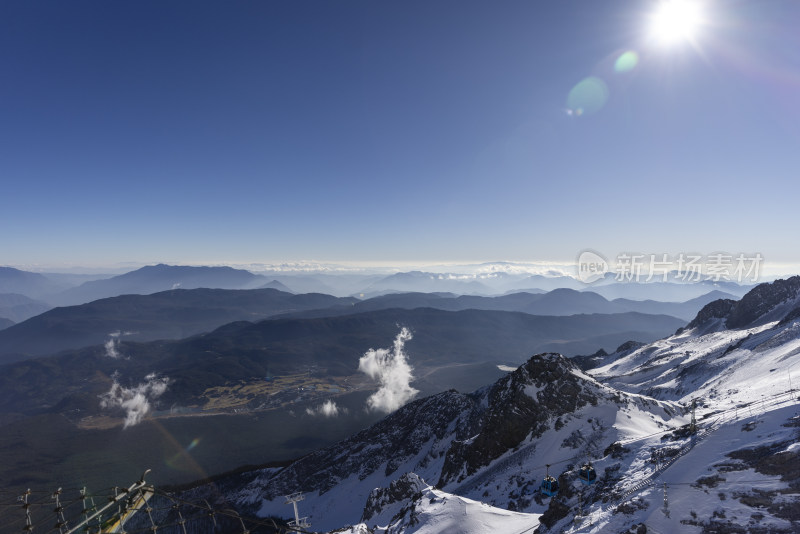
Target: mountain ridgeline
{"x": 173, "y": 314}
{"x": 561, "y": 301}
{"x": 26, "y": 283}
{"x": 156, "y": 278}
{"x": 18, "y": 307}
{"x": 180, "y": 313}
{"x": 764, "y": 303}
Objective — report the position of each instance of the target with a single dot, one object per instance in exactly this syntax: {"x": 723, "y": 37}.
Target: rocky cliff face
{"x": 522, "y": 405}
{"x": 417, "y": 433}
{"x": 763, "y": 299}
{"x": 762, "y": 304}
{"x": 718, "y": 309}
{"x": 398, "y": 493}
{"x": 601, "y": 357}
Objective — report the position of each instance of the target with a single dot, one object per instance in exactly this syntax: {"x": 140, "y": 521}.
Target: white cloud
{"x": 391, "y": 369}
{"x": 327, "y": 409}
{"x": 111, "y": 346}
{"x": 136, "y": 400}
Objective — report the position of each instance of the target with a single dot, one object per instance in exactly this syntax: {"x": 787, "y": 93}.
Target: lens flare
{"x": 182, "y": 460}
{"x": 626, "y": 62}
{"x": 587, "y": 97}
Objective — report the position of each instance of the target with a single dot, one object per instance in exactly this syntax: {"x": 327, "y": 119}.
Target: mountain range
{"x": 736, "y": 470}
{"x": 557, "y": 302}
{"x": 59, "y": 289}
{"x": 173, "y": 314}
{"x": 180, "y": 313}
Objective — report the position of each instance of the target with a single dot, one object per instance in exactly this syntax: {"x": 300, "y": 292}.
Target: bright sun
{"x": 675, "y": 20}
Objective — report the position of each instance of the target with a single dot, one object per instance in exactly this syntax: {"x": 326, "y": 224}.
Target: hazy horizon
{"x": 767, "y": 272}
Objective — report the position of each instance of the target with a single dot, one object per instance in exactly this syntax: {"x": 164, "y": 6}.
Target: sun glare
{"x": 675, "y": 21}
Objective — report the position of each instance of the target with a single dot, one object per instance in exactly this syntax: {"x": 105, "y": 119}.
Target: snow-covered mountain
{"x": 741, "y": 472}
{"x": 490, "y": 446}
{"x": 458, "y": 462}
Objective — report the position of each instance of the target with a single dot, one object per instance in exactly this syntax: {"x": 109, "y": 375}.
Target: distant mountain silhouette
{"x": 556, "y": 302}
{"x": 549, "y": 283}
{"x": 674, "y": 289}
{"x": 181, "y": 313}
{"x": 5, "y": 323}
{"x": 684, "y": 310}
{"x": 19, "y": 307}
{"x": 33, "y": 285}
{"x": 171, "y": 314}
{"x": 276, "y": 285}
{"x": 298, "y": 283}
{"x": 665, "y": 291}
{"x": 155, "y": 278}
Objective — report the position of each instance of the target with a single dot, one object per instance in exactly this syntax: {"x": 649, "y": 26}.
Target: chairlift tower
{"x": 293, "y": 499}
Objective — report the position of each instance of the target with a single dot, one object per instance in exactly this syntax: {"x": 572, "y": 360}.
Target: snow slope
{"x": 437, "y": 511}
{"x": 414, "y": 507}
{"x": 721, "y": 369}
{"x": 742, "y": 472}
{"x": 708, "y": 489}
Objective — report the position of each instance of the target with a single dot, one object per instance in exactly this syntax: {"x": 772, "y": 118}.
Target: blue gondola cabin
{"x": 587, "y": 474}
{"x": 549, "y": 486}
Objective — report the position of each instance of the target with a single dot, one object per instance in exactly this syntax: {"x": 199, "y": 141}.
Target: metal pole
{"x": 27, "y": 507}
{"x": 112, "y": 501}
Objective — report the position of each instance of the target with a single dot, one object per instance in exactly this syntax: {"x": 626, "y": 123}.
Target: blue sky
{"x": 207, "y": 132}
